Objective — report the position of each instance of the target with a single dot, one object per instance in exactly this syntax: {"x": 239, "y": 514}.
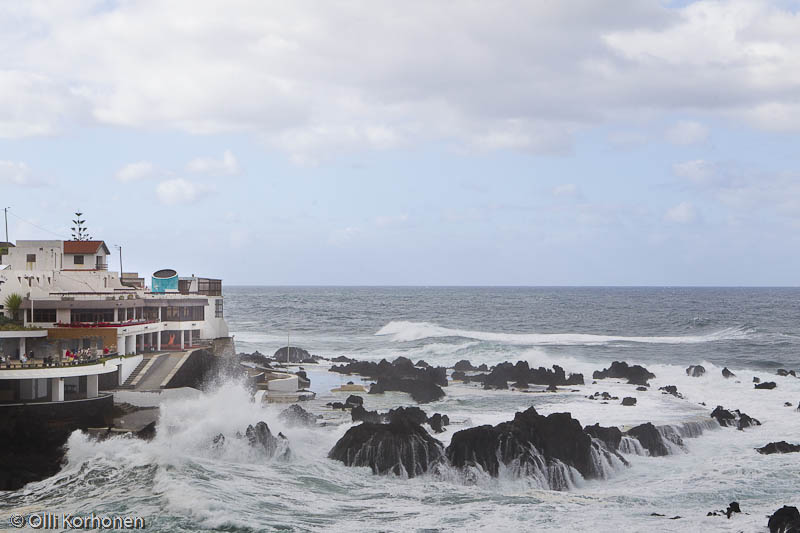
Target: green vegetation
{"x": 13, "y": 303}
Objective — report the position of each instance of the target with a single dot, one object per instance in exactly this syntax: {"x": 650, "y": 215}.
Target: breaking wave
{"x": 405, "y": 331}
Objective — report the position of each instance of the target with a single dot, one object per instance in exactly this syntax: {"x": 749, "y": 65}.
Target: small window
{"x": 218, "y": 308}
{"x": 31, "y": 258}
{"x": 78, "y": 260}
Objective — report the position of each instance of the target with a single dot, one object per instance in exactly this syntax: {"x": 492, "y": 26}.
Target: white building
{"x": 74, "y": 302}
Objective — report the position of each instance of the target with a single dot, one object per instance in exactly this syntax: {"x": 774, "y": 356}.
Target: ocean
{"x": 181, "y": 482}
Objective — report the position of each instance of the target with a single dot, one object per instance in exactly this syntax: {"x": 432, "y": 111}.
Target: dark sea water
{"x": 755, "y": 327}
{"x": 180, "y": 482}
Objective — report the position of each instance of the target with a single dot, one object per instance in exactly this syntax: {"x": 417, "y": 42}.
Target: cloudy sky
{"x": 563, "y": 142}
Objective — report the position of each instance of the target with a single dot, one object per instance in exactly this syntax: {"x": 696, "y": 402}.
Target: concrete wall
{"x": 32, "y": 436}
{"x": 196, "y": 370}
{"x": 129, "y": 364}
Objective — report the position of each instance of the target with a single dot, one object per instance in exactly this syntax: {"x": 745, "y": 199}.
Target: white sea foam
{"x": 405, "y": 331}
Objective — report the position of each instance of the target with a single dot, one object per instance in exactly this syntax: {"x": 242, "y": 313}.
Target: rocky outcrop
{"x": 784, "y": 372}
{"x": 295, "y": 355}
{"x": 651, "y": 439}
{"x": 767, "y": 385}
{"x": 733, "y": 508}
{"x": 727, "y": 373}
{"x": 636, "y": 374}
{"x": 424, "y": 384}
{"x": 420, "y": 391}
{"x": 464, "y": 365}
{"x": 778, "y": 447}
{"x": 784, "y": 520}
{"x": 400, "y": 447}
{"x": 629, "y": 401}
{"x": 735, "y": 418}
{"x": 671, "y": 389}
{"x": 261, "y": 438}
{"x": 610, "y": 436}
{"x": 294, "y": 415}
{"x": 343, "y": 359}
{"x": 353, "y": 400}
{"x": 695, "y": 371}
{"x": 602, "y": 396}
{"x": 437, "y": 422}
{"x": 521, "y": 375}
{"x": 359, "y": 414}
{"x": 545, "y": 447}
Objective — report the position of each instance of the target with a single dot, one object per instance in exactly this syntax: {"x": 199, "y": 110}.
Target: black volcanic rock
{"x": 735, "y": 418}
{"x": 629, "y": 401}
{"x": 602, "y": 396}
{"x": 420, "y": 391}
{"x": 294, "y": 415}
{"x": 463, "y": 365}
{"x": 400, "y": 447}
{"x": 437, "y": 422}
{"x": 784, "y": 520}
{"x": 695, "y": 371}
{"x": 756, "y": 380}
{"x": 353, "y": 400}
{"x": 482, "y": 368}
{"x": 296, "y": 354}
{"x": 767, "y": 385}
{"x": 636, "y": 374}
{"x": 611, "y": 436}
{"x": 522, "y": 374}
{"x": 495, "y": 381}
{"x": 784, "y": 372}
{"x": 650, "y": 439}
{"x": 424, "y": 384}
{"x": 414, "y": 415}
{"x": 531, "y": 444}
{"x": 423, "y": 364}
{"x": 641, "y": 388}
{"x": 260, "y": 437}
{"x": 778, "y": 447}
{"x": 343, "y": 359}
{"x": 727, "y": 373}
{"x": 359, "y": 414}
{"x": 459, "y": 375}
{"x": 671, "y": 389}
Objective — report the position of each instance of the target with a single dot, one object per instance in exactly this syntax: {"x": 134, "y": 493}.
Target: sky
{"x": 567, "y": 142}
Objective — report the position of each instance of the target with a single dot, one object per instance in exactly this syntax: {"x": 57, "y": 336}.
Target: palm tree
{"x": 13, "y": 303}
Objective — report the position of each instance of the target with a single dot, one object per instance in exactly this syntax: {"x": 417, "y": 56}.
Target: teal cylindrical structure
{"x": 165, "y": 280}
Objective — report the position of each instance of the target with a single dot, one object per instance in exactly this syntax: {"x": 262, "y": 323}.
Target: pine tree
{"x": 79, "y": 231}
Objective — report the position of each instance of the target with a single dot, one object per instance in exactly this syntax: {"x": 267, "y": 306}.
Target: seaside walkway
{"x": 157, "y": 369}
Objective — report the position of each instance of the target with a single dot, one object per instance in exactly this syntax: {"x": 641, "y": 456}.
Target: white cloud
{"x": 683, "y": 213}
{"x": 565, "y": 189}
{"x": 227, "y": 165}
{"x": 504, "y": 75}
{"x": 135, "y": 171}
{"x": 687, "y": 132}
{"x": 180, "y": 191}
{"x": 698, "y": 170}
{"x": 16, "y": 173}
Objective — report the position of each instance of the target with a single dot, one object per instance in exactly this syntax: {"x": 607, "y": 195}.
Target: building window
{"x": 78, "y": 260}
{"x": 42, "y": 315}
{"x": 91, "y": 315}
{"x": 218, "y": 308}
{"x": 31, "y": 258}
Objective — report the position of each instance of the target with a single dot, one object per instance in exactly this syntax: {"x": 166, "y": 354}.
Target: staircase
{"x": 129, "y": 382}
